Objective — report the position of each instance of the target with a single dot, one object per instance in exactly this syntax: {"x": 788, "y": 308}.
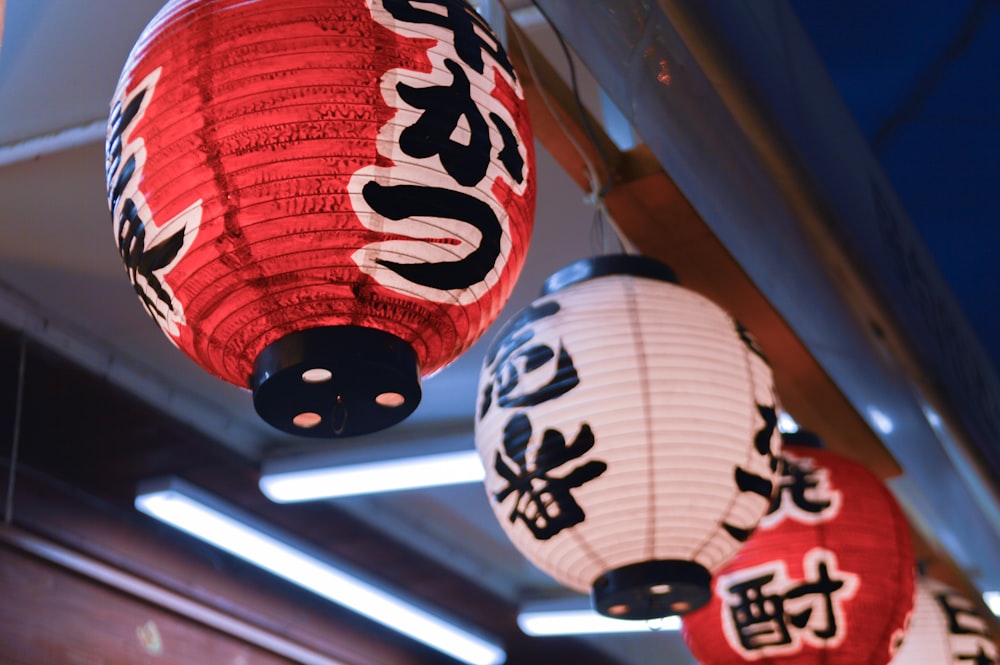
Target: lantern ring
{"x": 602, "y": 266}
{"x": 336, "y": 381}
{"x": 652, "y": 589}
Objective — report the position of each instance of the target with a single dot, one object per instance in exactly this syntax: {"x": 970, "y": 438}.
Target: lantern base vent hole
{"x": 652, "y": 589}
{"x": 336, "y": 381}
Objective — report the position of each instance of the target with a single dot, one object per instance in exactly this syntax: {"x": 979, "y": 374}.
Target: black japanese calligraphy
{"x": 456, "y": 120}
{"x": 509, "y": 155}
{"x": 147, "y": 261}
{"x": 472, "y": 34}
{"x": 759, "y": 617}
{"x": 543, "y": 500}
{"x": 142, "y": 261}
{"x": 804, "y": 493}
{"x": 965, "y": 620}
{"x": 524, "y": 371}
{"x": 513, "y": 365}
{"x": 747, "y": 481}
{"x": 404, "y": 201}
{"x": 444, "y": 106}
{"x": 767, "y": 613}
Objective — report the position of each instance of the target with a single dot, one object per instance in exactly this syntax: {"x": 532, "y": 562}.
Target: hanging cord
{"x": 8, "y": 516}
{"x": 598, "y": 188}
{"x": 522, "y": 41}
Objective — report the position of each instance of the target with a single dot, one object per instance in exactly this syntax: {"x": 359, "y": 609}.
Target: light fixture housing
{"x": 321, "y": 201}
{"x": 204, "y": 516}
{"x": 628, "y": 431}
{"x": 367, "y": 466}
{"x": 575, "y": 616}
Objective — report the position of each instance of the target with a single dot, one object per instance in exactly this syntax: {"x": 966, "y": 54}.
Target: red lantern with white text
{"x": 321, "y": 200}
{"x": 946, "y": 628}
{"x": 827, "y": 578}
{"x": 628, "y": 430}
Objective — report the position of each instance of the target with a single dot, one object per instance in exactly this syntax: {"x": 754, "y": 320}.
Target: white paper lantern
{"x": 946, "y": 628}
{"x": 628, "y": 430}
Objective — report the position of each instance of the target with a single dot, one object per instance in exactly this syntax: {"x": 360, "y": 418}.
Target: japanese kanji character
{"x": 141, "y": 261}
{"x": 444, "y": 106}
{"x": 544, "y": 501}
{"x": 759, "y": 617}
{"x": 509, "y": 362}
{"x": 754, "y": 483}
{"x": 770, "y": 614}
{"x": 807, "y": 490}
{"x": 473, "y": 36}
{"x": 401, "y": 201}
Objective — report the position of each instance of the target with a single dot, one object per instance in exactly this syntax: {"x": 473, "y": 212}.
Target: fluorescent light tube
{"x": 571, "y": 617}
{"x": 205, "y": 517}
{"x": 328, "y": 482}
{"x": 992, "y": 599}
{"x": 786, "y": 423}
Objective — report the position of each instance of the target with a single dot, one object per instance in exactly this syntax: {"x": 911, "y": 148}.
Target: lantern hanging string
{"x": 598, "y": 187}
{"x": 8, "y": 515}
{"x": 656, "y": 625}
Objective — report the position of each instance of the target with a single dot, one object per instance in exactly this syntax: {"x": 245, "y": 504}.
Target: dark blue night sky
{"x": 923, "y": 80}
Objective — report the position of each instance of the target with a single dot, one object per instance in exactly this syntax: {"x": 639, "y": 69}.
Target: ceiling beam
{"x": 656, "y": 217}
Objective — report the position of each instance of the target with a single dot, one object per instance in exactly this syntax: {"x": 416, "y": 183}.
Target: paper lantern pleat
{"x": 627, "y": 429}
{"x": 282, "y": 166}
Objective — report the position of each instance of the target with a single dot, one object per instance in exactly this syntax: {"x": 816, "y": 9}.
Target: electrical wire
{"x": 930, "y": 78}
{"x": 522, "y": 41}
{"x": 8, "y": 515}
{"x": 588, "y": 128}
{"x": 598, "y": 187}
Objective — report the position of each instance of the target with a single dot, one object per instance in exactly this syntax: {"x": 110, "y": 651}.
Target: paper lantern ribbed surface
{"x": 627, "y": 426}
{"x": 335, "y": 177}
{"x": 826, "y": 578}
{"x": 946, "y": 629}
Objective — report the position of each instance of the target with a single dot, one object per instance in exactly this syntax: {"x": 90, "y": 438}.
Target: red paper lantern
{"x": 321, "y": 199}
{"x": 826, "y": 579}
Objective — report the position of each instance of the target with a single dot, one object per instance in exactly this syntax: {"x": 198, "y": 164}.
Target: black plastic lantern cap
{"x": 336, "y": 381}
{"x": 652, "y": 589}
{"x": 635, "y": 265}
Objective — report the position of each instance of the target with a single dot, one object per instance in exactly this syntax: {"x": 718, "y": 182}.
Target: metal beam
{"x": 735, "y": 106}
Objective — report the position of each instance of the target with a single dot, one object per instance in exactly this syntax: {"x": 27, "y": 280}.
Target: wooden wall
{"x": 51, "y": 615}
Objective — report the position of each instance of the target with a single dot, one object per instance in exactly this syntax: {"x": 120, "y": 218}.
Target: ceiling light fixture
{"x": 576, "y": 617}
{"x": 205, "y": 517}
{"x": 787, "y": 424}
{"x": 882, "y": 422}
{"x": 405, "y": 473}
{"x": 992, "y": 600}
